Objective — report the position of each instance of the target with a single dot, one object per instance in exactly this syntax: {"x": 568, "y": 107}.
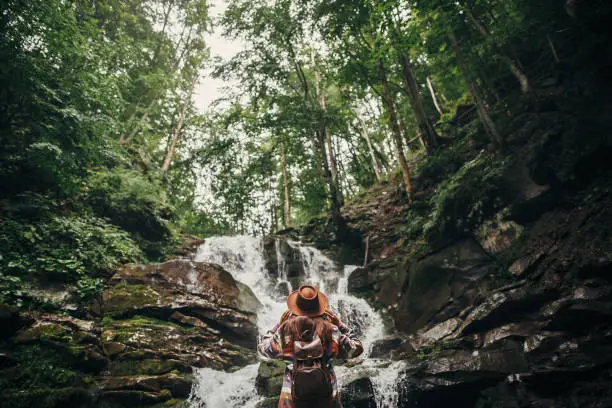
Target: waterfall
{"x": 243, "y": 257}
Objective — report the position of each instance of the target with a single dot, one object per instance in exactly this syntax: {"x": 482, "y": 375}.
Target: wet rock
{"x": 518, "y": 331}
{"x": 146, "y": 341}
{"x": 439, "y": 332}
{"x": 194, "y": 289}
{"x": 282, "y": 289}
{"x": 282, "y": 259}
{"x": 135, "y": 398}
{"x": 444, "y": 276}
{"x": 79, "y": 348}
{"x": 529, "y": 199}
{"x": 187, "y": 247}
{"x": 358, "y": 394}
{"x": 384, "y": 278}
{"x": 580, "y": 316}
{"x": 457, "y": 377}
{"x": 178, "y": 386}
{"x": 269, "y": 380}
{"x": 505, "y": 306}
{"x": 391, "y": 347}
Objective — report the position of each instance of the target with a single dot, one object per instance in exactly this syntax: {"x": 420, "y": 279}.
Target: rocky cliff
{"x": 136, "y": 346}
{"x": 513, "y": 313}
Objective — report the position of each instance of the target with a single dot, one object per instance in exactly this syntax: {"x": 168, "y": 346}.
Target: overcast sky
{"x": 210, "y": 89}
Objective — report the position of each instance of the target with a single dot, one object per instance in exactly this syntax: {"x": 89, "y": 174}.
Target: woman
{"x": 308, "y": 336}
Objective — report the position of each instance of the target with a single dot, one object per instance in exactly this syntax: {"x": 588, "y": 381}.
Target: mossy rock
{"x": 46, "y": 397}
{"x": 134, "y": 398}
{"x": 270, "y": 377}
{"x": 124, "y": 297}
{"x": 147, "y": 367}
{"x": 45, "y": 332}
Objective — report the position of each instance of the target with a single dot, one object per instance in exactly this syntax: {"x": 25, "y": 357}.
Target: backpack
{"x": 311, "y": 377}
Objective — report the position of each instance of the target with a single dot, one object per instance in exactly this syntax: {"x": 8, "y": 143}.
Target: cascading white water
{"x": 243, "y": 257}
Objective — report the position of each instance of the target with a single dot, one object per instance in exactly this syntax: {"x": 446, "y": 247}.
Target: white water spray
{"x": 243, "y": 257}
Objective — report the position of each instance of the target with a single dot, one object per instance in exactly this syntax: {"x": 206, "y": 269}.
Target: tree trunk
{"x": 396, "y": 132}
{"x": 366, "y": 136}
{"x": 483, "y": 112}
{"x": 414, "y": 95}
{"x": 433, "y": 96}
{"x": 286, "y": 187}
{"x": 179, "y": 125}
{"x": 328, "y": 139}
{"x": 553, "y": 49}
{"x": 333, "y": 192}
{"x": 512, "y": 65}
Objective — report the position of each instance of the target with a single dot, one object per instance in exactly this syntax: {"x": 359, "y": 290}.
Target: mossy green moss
{"x": 46, "y": 332}
{"x": 147, "y": 367}
{"x": 124, "y": 297}
{"x": 427, "y": 352}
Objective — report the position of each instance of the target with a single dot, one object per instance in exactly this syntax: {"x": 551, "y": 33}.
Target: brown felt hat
{"x": 307, "y": 301}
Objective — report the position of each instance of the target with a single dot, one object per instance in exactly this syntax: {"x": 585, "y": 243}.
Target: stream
{"x": 243, "y": 257}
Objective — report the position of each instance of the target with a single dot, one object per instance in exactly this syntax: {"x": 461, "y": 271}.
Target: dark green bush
{"x": 64, "y": 248}
{"x": 135, "y": 203}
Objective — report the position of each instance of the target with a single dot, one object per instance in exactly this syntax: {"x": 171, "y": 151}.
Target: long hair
{"x": 304, "y": 328}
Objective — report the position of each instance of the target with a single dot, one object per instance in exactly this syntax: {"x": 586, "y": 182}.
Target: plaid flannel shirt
{"x": 343, "y": 345}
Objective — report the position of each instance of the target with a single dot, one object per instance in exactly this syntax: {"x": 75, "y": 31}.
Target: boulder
{"x": 358, "y": 394}
{"x": 457, "y": 377}
{"x": 196, "y": 289}
{"x": 178, "y": 386}
{"x": 432, "y": 334}
{"x": 282, "y": 259}
{"x": 448, "y": 277}
{"x": 145, "y": 345}
{"x": 269, "y": 380}
{"x": 391, "y": 347}
{"x": 77, "y": 343}
{"x": 504, "y": 306}
{"x": 384, "y": 278}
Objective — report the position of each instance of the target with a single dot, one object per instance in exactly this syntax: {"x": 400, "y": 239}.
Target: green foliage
{"x": 39, "y": 367}
{"x": 64, "y": 248}
{"x": 12, "y": 290}
{"x": 89, "y": 288}
{"x": 135, "y": 203}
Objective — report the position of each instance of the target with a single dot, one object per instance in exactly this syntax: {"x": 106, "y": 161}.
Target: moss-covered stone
{"x": 45, "y": 397}
{"x": 147, "y": 367}
{"x": 45, "y": 332}
{"x": 269, "y": 379}
{"x": 124, "y": 297}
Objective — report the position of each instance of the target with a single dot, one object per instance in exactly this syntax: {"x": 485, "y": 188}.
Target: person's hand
{"x": 335, "y": 320}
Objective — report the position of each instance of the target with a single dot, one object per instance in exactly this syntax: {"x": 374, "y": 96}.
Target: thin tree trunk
{"x": 179, "y": 125}
{"x": 433, "y": 96}
{"x": 286, "y": 187}
{"x": 396, "y": 132}
{"x": 366, "y": 136}
{"x": 328, "y": 138}
{"x": 553, "y": 49}
{"x": 512, "y": 65}
{"x": 480, "y": 105}
{"x": 414, "y": 95}
{"x": 333, "y": 192}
